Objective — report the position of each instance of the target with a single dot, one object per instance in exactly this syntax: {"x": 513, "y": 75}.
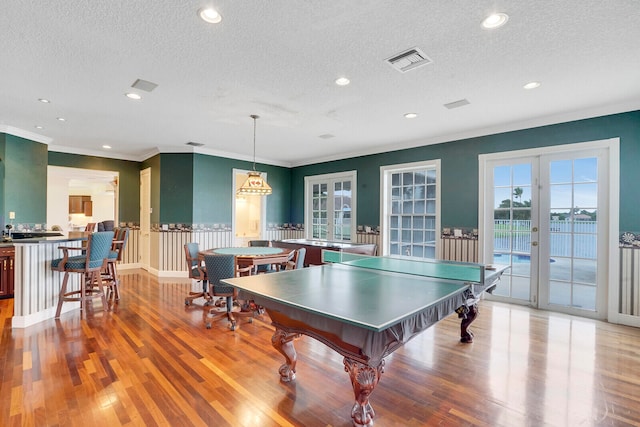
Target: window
{"x": 330, "y": 207}
{"x": 410, "y": 209}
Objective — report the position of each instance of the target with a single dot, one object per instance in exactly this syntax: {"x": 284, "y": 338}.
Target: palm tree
{"x": 517, "y": 193}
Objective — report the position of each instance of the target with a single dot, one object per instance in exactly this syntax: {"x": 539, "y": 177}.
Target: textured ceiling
{"x": 279, "y": 59}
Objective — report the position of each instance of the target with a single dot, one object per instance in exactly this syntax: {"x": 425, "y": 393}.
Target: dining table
{"x": 253, "y": 256}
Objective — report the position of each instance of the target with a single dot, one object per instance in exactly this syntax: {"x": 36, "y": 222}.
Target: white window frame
{"x": 329, "y": 179}
{"x": 385, "y": 199}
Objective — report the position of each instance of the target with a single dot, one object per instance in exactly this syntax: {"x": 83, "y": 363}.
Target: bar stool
{"x": 90, "y": 265}
{"x": 121, "y": 235}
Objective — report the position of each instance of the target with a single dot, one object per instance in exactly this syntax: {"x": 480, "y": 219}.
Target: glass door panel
{"x": 512, "y": 227}
{"x": 573, "y": 228}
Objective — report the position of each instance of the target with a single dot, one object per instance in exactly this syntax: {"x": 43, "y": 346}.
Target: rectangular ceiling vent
{"x": 144, "y": 85}
{"x": 408, "y": 60}
{"x": 457, "y": 104}
{"x": 195, "y": 144}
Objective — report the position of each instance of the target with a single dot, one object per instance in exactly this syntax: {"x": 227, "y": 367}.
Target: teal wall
{"x": 196, "y": 188}
{"x": 459, "y": 168}
{"x": 3, "y": 214}
{"x": 129, "y": 179}
{"x": 24, "y": 180}
{"x": 176, "y": 188}
{"x": 216, "y": 173}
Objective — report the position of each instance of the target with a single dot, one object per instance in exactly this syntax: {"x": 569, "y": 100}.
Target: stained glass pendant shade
{"x": 254, "y": 185}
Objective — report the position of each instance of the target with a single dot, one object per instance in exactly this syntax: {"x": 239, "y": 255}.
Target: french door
{"x": 546, "y": 216}
{"x": 330, "y": 211}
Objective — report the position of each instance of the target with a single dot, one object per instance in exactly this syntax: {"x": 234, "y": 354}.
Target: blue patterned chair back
{"x": 220, "y": 267}
{"x": 191, "y": 251}
{"x": 302, "y": 252}
{"x": 98, "y": 248}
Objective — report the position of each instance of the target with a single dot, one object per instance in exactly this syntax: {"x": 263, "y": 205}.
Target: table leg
{"x": 364, "y": 378}
{"x": 283, "y": 342}
{"x": 466, "y": 336}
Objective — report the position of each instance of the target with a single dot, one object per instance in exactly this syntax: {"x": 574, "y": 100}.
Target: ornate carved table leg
{"x": 283, "y": 342}
{"x": 466, "y": 336}
{"x": 363, "y": 379}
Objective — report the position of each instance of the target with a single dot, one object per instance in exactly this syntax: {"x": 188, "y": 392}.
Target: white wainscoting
{"x": 167, "y": 251}
{"x": 629, "y": 303}
{"x": 465, "y": 250}
{"x": 37, "y": 287}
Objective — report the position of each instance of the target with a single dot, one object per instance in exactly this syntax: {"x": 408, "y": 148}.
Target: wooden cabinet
{"x": 7, "y": 256}
{"x": 81, "y": 205}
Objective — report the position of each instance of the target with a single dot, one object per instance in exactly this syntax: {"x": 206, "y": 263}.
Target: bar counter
{"x": 36, "y": 286}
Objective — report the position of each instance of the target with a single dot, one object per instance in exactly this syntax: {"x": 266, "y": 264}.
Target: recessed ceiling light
{"x": 210, "y": 15}
{"x": 342, "y": 81}
{"x": 106, "y": 147}
{"x": 531, "y": 85}
{"x": 43, "y": 100}
{"x": 132, "y": 95}
{"x": 411, "y": 115}
{"x": 38, "y": 127}
{"x": 60, "y": 119}
{"x": 495, "y": 20}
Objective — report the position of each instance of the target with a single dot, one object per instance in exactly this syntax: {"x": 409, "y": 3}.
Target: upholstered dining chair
{"x": 298, "y": 259}
{"x": 224, "y": 267}
{"x": 196, "y": 271}
{"x": 90, "y": 265}
{"x": 118, "y": 245}
{"x": 263, "y": 244}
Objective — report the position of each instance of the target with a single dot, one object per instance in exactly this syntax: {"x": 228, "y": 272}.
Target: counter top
{"x": 43, "y": 239}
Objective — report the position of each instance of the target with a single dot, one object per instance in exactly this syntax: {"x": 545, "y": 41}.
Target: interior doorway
{"x": 145, "y": 218}
{"x": 249, "y": 213}
{"x": 100, "y": 188}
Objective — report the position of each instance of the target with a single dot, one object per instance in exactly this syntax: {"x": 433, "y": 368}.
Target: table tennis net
{"x": 465, "y": 272}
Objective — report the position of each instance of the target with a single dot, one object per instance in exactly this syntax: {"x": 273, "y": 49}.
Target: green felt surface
{"x": 372, "y": 299}
{"x": 466, "y": 272}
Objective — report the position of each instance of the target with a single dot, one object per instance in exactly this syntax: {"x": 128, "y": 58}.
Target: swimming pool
{"x": 514, "y": 258}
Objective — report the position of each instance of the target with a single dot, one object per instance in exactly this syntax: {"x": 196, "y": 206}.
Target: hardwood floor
{"x": 151, "y": 362}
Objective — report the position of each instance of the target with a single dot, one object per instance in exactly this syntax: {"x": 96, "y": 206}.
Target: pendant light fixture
{"x": 254, "y": 185}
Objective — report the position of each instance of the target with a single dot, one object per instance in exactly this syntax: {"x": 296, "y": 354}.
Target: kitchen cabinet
{"x": 81, "y": 205}
{"x": 7, "y": 256}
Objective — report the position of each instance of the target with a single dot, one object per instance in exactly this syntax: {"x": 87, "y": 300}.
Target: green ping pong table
{"x": 365, "y": 308}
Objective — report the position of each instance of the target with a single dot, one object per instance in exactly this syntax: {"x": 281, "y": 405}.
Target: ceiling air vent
{"x": 144, "y": 85}
{"x": 195, "y": 144}
{"x": 408, "y": 60}
{"x": 456, "y": 104}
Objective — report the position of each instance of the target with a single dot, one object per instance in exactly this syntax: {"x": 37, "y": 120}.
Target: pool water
{"x": 515, "y": 259}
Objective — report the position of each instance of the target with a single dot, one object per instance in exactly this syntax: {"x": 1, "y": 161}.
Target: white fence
{"x": 567, "y": 238}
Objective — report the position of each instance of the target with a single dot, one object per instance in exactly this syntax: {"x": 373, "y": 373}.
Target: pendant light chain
{"x": 254, "y": 117}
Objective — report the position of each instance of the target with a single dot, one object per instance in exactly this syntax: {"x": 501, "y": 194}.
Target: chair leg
{"x": 63, "y": 290}
{"x": 105, "y": 306}
{"x": 114, "y": 282}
